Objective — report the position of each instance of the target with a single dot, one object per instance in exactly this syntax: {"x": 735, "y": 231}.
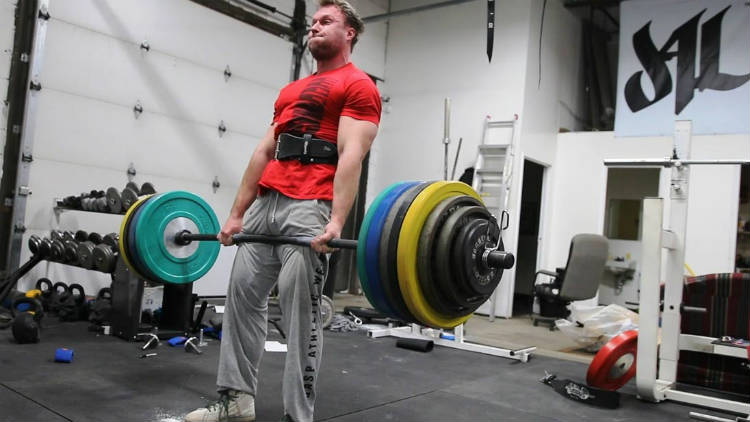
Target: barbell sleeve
{"x": 500, "y": 259}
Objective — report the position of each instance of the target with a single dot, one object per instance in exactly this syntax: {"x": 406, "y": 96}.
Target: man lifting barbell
{"x": 301, "y": 181}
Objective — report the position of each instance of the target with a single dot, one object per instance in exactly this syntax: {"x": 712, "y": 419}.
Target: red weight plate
{"x": 614, "y": 364}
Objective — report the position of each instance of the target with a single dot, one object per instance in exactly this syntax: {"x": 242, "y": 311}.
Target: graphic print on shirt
{"x": 310, "y": 108}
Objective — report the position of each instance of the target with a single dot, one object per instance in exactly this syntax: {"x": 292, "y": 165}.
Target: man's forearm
{"x": 345, "y": 187}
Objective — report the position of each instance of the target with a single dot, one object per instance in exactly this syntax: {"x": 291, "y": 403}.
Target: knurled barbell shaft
{"x": 185, "y": 237}
{"x": 494, "y": 259}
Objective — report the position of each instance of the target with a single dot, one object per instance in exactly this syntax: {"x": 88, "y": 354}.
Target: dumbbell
{"x": 128, "y": 196}
{"x": 112, "y": 240}
{"x": 34, "y": 243}
{"x": 57, "y": 250}
{"x": 81, "y": 236}
{"x": 134, "y": 187}
{"x": 95, "y": 238}
{"x": 147, "y": 189}
{"x": 86, "y": 254}
{"x": 114, "y": 200}
{"x": 45, "y": 247}
{"x": 56, "y": 235}
{"x": 71, "y": 251}
{"x": 104, "y": 258}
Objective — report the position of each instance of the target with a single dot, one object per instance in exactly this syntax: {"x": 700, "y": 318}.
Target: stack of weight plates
{"x": 148, "y": 231}
{"x": 419, "y": 253}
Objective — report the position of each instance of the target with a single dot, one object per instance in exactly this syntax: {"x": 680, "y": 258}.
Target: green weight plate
{"x": 376, "y": 300}
{"x": 389, "y": 250}
{"x": 426, "y": 253}
{"x": 160, "y": 220}
{"x": 443, "y": 269}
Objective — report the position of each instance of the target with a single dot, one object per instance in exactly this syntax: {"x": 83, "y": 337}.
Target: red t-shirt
{"x": 314, "y": 105}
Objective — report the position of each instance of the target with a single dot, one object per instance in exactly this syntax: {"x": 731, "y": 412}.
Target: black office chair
{"x": 579, "y": 280}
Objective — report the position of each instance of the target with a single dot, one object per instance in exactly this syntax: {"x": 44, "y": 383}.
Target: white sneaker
{"x": 232, "y": 406}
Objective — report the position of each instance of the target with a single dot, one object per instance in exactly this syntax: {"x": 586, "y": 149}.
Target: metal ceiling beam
{"x": 593, "y": 3}
{"x": 384, "y": 16}
{"x": 249, "y": 18}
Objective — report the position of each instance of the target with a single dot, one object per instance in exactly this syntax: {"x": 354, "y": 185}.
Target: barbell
{"x": 427, "y": 252}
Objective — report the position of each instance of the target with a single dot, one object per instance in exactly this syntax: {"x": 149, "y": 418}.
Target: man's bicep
{"x": 355, "y": 135}
{"x": 268, "y": 143}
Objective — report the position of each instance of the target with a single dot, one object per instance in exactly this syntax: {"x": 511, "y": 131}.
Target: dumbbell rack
{"x": 127, "y": 294}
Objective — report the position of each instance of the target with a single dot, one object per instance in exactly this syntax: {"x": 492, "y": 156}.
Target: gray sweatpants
{"x": 300, "y": 273}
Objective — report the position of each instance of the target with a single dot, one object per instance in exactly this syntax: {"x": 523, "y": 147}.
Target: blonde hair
{"x": 352, "y": 17}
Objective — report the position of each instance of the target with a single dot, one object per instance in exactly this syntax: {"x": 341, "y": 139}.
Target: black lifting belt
{"x": 306, "y": 149}
{"x": 583, "y": 393}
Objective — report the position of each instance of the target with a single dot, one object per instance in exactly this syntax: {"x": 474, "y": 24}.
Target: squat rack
{"x": 660, "y": 384}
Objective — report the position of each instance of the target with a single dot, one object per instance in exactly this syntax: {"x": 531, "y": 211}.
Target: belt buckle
{"x": 278, "y": 146}
{"x": 304, "y": 158}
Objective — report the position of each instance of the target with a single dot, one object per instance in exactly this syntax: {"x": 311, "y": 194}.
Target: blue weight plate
{"x": 372, "y": 246}
{"x": 388, "y": 248}
{"x": 159, "y": 221}
{"x": 375, "y": 298}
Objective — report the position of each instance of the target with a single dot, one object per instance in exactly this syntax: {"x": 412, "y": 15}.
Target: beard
{"x": 322, "y": 50}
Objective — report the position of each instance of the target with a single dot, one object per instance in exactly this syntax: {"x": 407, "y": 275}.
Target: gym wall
{"x": 553, "y": 77}
{"x": 441, "y": 53}
{"x": 95, "y": 71}
{"x": 579, "y": 186}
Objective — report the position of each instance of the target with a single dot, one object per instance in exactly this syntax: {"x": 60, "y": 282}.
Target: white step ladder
{"x": 494, "y": 165}
{"x": 493, "y": 171}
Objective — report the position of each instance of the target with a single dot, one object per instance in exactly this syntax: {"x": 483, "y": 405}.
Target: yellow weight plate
{"x": 123, "y": 234}
{"x": 408, "y": 245}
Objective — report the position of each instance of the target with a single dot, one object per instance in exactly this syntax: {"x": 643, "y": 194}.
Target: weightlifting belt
{"x": 583, "y": 393}
{"x": 306, "y": 149}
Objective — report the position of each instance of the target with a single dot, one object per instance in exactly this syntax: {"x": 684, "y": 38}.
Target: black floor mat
{"x": 362, "y": 379}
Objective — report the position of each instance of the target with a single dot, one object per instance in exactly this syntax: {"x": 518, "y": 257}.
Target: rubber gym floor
{"x": 362, "y": 379}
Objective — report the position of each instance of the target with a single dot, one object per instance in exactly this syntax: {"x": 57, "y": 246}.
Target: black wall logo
{"x": 654, "y": 62}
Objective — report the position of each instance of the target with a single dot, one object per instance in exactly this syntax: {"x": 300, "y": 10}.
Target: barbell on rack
{"x": 427, "y": 252}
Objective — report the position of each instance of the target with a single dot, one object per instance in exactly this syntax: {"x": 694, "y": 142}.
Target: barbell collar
{"x": 498, "y": 259}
